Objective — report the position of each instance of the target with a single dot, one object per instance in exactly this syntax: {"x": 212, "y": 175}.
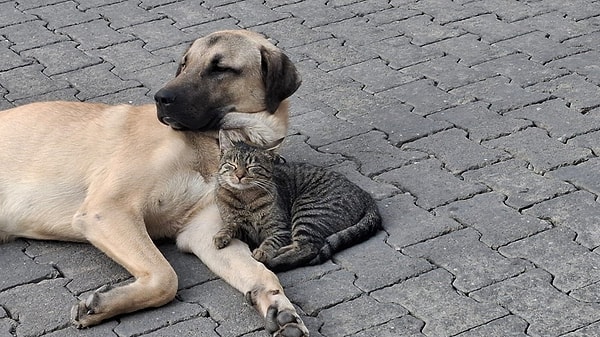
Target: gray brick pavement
{"x": 475, "y": 124}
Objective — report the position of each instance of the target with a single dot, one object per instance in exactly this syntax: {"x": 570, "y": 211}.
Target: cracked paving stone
{"x": 456, "y": 151}
{"x": 522, "y": 186}
{"x": 330, "y": 289}
{"x": 146, "y": 321}
{"x": 407, "y": 223}
{"x": 479, "y": 121}
{"x": 39, "y": 307}
{"x": 560, "y": 121}
{"x": 355, "y": 315}
{"x": 105, "y": 329}
{"x": 448, "y": 72}
{"x": 24, "y": 269}
{"x": 225, "y": 305}
{"x": 323, "y": 128}
{"x": 296, "y": 149}
{"x": 502, "y": 94}
{"x": 87, "y": 266}
{"x": 574, "y": 88}
{"x": 473, "y": 264}
{"x": 590, "y": 330}
{"x": 442, "y": 187}
{"x": 375, "y": 155}
{"x": 548, "y": 311}
{"x": 424, "y": 96}
{"x": 508, "y": 326}
{"x": 370, "y": 261}
{"x": 432, "y": 298}
{"x": 572, "y": 265}
{"x": 498, "y": 223}
{"x": 406, "y": 326}
{"x": 577, "y": 211}
{"x": 197, "y": 327}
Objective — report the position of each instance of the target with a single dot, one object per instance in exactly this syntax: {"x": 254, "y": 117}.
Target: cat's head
{"x": 244, "y": 165}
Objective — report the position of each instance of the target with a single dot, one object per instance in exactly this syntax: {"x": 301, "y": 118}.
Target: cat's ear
{"x": 273, "y": 146}
{"x": 225, "y": 142}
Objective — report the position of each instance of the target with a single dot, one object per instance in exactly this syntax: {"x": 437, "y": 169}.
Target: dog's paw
{"x": 87, "y": 313}
{"x": 285, "y": 323}
{"x": 221, "y": 240}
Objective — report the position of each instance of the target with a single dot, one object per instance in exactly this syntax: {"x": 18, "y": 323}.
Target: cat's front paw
{"x": 260, "y": 255}
{"x": 221, "y": 239}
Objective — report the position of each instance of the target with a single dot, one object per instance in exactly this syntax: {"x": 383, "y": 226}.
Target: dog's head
{"x": 226, "y": 71}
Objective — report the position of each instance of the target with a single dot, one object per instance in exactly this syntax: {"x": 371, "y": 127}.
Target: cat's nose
{"x": 239, "y": 175}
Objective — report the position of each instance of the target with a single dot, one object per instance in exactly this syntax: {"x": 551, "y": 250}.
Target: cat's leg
{"x": 235, "y": 265}
{"x": 223, "y": 237}
{"x": 278, "y": 237}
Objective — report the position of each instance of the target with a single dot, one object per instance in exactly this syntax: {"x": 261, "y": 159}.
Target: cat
{"x": 290, "y": 214}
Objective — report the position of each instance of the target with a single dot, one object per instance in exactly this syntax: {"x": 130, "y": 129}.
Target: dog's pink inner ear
{"x": 280, "y": 77}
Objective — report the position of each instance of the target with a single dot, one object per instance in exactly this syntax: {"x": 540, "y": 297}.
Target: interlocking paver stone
{"x": 456, "y": 151}
{"x": 30, "y": 34}
{"x": 39, "y": 307}
{"x": 53, "y": 57}
{"x": 522, "y": 186}
{"x": 572, "y": 265}
{"x": 577, "y": 211}
{"x": 424, "y": 96}
{"x": 431, "y": 297}
{"x": 63, "y": 14}
{"x": 498, "y": 223}
{"x": 501, "y": 93}
{"x": 520, "y": 69}
{"x": 491, "y": 28}
{"x": 539, "y": 47}
{"x": 448, "y": 72}
{"x": 480, "y": 122}
{"x": 24, "y": 269}
{"x": 371, "y": 265}
{"x": 508, "y": 326}
{"x": 400, "y": 52}
{"x": 558, "y": 119}
{"x": 536, "y": 147}
{"x": 442, "y": 187}
{"x": 375, "y": 75}
{"x": 409, "y": 224}
{"x": 473, "y": 264}
{"x": 548, "y": 311}
{"x": 370, "y": 313}
{"x": 585, "y": 175}
{"x": 574, "y": 88}
{"x": 376, "y": 156}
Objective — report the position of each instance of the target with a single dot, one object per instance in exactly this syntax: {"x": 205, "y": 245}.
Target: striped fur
{"x": 291, "y": 214}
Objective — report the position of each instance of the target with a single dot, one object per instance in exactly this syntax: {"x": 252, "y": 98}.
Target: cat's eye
{"x": 228, "y": 167}
{"x": 256, "y": 169}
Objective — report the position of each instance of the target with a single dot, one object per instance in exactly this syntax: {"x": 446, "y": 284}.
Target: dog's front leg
{"x": 237, "y": 267}
{"x": 123, "y": 237}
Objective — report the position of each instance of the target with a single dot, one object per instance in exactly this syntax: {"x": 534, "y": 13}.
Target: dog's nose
{"x": 165, "y": 97}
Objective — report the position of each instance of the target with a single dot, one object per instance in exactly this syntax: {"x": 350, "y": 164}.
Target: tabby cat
{"x": 290, "y": 214}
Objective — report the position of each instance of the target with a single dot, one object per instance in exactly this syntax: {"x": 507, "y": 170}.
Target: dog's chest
{"x": 174, "y": 201}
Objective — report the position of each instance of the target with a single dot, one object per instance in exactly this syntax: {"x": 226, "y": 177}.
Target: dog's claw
{"x": 83, "y": 313}
{"x": 285, "y": 323}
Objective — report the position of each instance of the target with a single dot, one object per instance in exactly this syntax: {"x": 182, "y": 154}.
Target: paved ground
{"x": 474, "y": 123}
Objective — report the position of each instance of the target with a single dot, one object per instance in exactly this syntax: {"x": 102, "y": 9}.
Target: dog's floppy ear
{"x": 280, "y": 77}
{"x": 183, "y": 60}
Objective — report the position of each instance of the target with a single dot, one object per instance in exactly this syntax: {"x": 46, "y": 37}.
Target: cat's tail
{"x": 366, "y": 227}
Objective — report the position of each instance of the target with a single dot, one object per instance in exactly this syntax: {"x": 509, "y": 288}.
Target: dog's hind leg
{"x": 237, "y": 267}
{"x": 123, "y": 237}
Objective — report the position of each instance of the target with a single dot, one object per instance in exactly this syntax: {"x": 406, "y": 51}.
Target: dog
{"x": 121, "y": 176}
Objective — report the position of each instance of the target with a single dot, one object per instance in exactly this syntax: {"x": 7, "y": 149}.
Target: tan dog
{"x": 116, "y": 177}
